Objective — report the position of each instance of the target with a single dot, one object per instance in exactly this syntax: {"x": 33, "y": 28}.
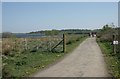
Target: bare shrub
{"x": 7, "y": 46}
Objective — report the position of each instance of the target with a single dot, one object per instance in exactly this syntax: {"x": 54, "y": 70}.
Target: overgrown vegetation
{"x": 106, "y": 33}
{"x": 105, "y": 38}
{"x": 22, "y": 57}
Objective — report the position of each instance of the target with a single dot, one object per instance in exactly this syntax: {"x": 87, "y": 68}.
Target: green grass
{"x": 112, "y": 60}
{"x": 71, "y": 47}
{"x": 27, "y": 63}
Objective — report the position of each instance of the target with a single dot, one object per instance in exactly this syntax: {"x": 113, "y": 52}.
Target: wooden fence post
{"x": 114, "y": 46}
{"x": 119, "y": 39}
{"x": 64, "y": 43}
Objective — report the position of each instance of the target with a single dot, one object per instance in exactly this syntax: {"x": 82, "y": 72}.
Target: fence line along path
{"x": 85, "y": 61}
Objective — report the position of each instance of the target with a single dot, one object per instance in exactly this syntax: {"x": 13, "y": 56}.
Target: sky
{"x": 22, "y": 17}
{"x": 59, "y": 0}
{"x": 119, "y": 14}
{"x": 0, "y": 17}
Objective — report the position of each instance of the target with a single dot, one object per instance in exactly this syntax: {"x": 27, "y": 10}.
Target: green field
{"x": 20, "y": 62}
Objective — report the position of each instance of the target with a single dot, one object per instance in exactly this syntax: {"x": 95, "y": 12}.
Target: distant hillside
{"x": 68, "y": 31}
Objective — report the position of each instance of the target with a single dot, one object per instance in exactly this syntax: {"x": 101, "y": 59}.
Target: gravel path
{"x": 85, "y": 61}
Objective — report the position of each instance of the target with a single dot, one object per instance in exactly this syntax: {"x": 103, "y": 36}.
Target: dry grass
{"x": 10, "y": 45}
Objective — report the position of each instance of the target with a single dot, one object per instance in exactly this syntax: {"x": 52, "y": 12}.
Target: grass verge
{"x": 112, "y": 60}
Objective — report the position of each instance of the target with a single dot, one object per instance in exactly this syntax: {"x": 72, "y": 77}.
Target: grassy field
{"x": 112, "y": 60}
{"x": 21, "y": 62}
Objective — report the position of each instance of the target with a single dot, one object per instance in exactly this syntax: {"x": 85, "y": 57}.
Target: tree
{"x": 7, "y": 35}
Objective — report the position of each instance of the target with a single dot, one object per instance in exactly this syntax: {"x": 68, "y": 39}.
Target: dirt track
{"x": 85, "y": 61}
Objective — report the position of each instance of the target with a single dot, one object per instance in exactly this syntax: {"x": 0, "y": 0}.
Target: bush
{"x": 7, "y": 46}
{"x": 7, "y": 35}
{"x": 7, "y": 50}
{"x": 106, "y": 33}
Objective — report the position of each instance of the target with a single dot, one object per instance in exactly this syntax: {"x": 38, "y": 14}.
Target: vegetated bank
{"x": 105, "y": 41}
{"x": 23, "y": 56}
